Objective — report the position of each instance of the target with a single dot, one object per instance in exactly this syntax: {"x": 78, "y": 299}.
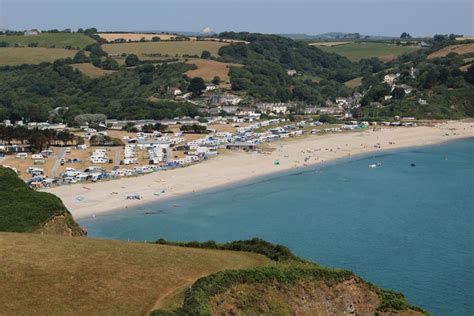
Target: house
{"x": 278, "y": 108}
{"x": 228, "y": 99}
{"x": 422, "y": 101}
{"x": 174, "y": 91}
{"x": 390, "y": 78}
{"x": 230, "y": 109}
{"x": 32, "y": 32}
{"x": 291, "y": 72}
{"x": 210, "y": 87}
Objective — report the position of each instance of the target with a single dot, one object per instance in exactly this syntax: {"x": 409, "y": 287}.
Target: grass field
{"x": 32, "y": 55}
{"x": 135, "y": 37}
{"x": 458, "y": 49}
{"x": 75, "y": 40}
{"x": 354, "y": 82}
{"x": 91, "y": 70}
{"x": 360, "y": 50}
{"x": 329, "y": 44}
{"x": 165, "y": 48}
{"x": 207, "y": 69}
{"x": 54, "y": 275}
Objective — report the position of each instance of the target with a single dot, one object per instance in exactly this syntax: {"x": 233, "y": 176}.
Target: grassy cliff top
{"x": 55, "y": 275}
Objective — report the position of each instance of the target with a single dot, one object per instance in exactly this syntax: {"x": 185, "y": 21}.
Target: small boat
{"x": 413, "y": 164}
{"x": 373, "y": 166}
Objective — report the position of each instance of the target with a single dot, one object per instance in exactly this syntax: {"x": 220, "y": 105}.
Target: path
{"x": 117, "y": 155}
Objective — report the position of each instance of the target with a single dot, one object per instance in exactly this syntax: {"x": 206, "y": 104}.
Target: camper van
{"x": 22, "y": 155}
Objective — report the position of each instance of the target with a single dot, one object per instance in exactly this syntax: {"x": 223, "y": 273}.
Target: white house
{"x": 390, "y": 78}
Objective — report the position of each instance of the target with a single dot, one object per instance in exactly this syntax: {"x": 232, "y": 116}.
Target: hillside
{"x": 53, "y": 275}
{"x": 457, "y": 49}
{"x": 50, "y": 40}
{"x": 359, "y": 50}
{"x": 25, "y": 210}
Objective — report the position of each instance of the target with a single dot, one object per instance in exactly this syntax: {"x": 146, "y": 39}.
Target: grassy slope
{"x": 50, "y": 39}
{"x": 359, "y": 50}
{"x": 170, "y": 48}
{"x": 25, "y": 210}
{"x": 458, "y": 49}
{"x": 87, "y": 276}
{"x": 32, "y": 55}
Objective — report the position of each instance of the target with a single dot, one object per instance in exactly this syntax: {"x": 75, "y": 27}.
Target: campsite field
{"x": 171, "y": 48}
{"x": 32, "y": 55}
{"x": 207, "y": 69}
{"x": 91, "y": 70}
{"x": 458, "y": 49}
{"x": 74, "y": 40}
{"x": 78, "y": 276}
{"x": 359, "y": 50}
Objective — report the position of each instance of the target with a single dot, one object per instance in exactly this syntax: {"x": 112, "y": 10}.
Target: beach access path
{"x": 92, "y": 199}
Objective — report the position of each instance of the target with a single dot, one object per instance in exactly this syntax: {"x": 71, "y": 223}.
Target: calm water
{"x": 401, "y": 227}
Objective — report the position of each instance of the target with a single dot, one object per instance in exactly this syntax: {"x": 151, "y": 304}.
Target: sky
{"x": 368, "y": 17}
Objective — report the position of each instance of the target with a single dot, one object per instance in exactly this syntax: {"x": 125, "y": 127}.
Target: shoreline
{"x": 240, "y": 168}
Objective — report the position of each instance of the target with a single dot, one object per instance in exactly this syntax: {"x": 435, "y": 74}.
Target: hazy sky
{"x": 375, "y": 17}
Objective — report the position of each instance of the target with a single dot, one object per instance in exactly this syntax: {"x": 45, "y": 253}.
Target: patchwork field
{"x": 135, "y": 37}
{"x": 91, "y": 70}
{"x": 32, "y": 55}
{"x": 359, "y": 50}
{"x": 207, "y": 69}
{"x": 75, "y": 40}
{"x": 164, "y": 48}
{"x": 82, "y": 276}
{"x": 458, "y": 49}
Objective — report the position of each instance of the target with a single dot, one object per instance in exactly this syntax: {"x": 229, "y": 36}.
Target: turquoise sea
{"x": 405, "y": 228}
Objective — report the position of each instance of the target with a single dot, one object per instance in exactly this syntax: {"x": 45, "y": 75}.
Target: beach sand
{"x": 93, "y": 199}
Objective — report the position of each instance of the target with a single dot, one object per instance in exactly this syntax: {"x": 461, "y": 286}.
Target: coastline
{"x": 234, "y": 168}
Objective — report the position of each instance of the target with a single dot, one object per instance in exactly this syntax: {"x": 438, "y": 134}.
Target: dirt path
{"x": 57, "y": 163}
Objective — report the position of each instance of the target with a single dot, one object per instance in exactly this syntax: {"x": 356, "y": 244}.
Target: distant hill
{"x": 334, "y": 35}
{"x": 24, "y": 210}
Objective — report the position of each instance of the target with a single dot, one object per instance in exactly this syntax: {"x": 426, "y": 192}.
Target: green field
{"x": 354, "y": 82}
{"x": 32, "y": 55}
{"x": 165, "y": 48}
{"x": 74, "y": 40}
{"x": 359, "y": 50}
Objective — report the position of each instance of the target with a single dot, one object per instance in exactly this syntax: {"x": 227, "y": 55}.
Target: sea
{"x": 405, "y": 225}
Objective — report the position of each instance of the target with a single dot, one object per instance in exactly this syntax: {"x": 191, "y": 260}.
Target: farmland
{"x": 32, "y": 55}
{"x": 87, "y": 276}
{"x": 91, "y": 70}
{"x": 207, "y": 69}
{"x": 171, "y": 48}
{"x": 458, "y": 49}
{"x": 329, "y": 44}
{"x": 73, "y": 40}
{"x": 135, "y": 37}
{"x": 359, "y": 50}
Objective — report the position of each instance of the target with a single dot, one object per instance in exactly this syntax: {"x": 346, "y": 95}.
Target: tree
{"x": 405, "y": 35}
{"x": 81, "y": 57}
{"x": 146, "y": 78}
{"x": 216, "y": 80}
{"x": 469, "y": 77}
{"x": 196, "y": 86}
{"x": 37, "y": 140}
{"x": 398, "y": 93}
{"x": 131, "y": 60}
{"x": 110, "y": 64}
{"x": 205, "y": 54}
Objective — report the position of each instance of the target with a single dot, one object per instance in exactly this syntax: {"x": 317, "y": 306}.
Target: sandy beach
{"x": 93, "y": 199}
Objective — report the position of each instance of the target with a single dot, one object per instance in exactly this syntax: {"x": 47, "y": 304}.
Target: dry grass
{"x": 465, "y": 38}
{"x": 54, "y": 275}
{"x": 91, "y": 70}
{"x": 458, "y": 49}
{"x": 207, "y": 69}
{"x": 135, "y": 37}
{"x": 32, "y": 55}
{"x": 165, "y": 48}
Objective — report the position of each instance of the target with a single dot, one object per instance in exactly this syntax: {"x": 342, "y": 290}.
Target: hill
{"x": 25, "y": 210}
{"x": 50, "y": 40}
{"x": 54, "y": 275}
{"x": 290, "y": 286}
{"x": 359, "y": 50}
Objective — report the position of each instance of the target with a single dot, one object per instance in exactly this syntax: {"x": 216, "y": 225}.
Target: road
{"x": 117, "y": 155}
{"x": 57, "y": 163}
